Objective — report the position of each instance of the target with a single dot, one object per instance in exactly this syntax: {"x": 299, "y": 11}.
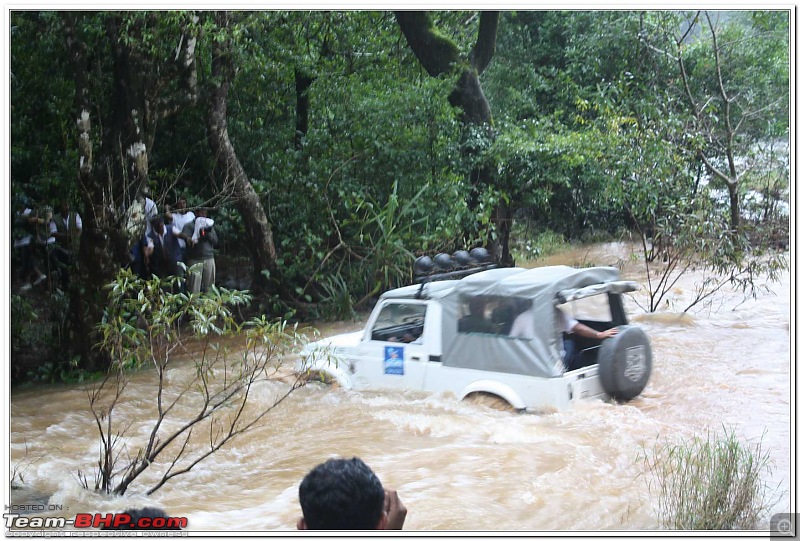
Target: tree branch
{"x": 484, "y": 48}
{"x": 437, "y": 54}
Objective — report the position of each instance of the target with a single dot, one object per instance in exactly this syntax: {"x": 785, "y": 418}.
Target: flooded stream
{"x": 458, "y": 465}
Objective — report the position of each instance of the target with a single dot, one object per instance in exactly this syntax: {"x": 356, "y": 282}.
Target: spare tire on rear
{"x": 625, "y": 362}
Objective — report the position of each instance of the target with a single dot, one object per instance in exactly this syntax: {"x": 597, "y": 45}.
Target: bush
{"x": 527, "y": 246}
{"x": 25, "y": 331}
{"x": 714, "y": 483}
{"x": 147, "y": 325}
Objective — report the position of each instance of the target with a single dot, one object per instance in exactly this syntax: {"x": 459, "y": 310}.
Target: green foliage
{"x": 42, "y": 160}
{"x": 337, "y": 301}
{"x": 25, "y": 331}
{"x": 142, "y": 321}
{"x": 382, "y": 231}
{"x": 40, "y": 331}
{"x": 375, "y": 153}
{"x": 530, "y": 247}
{"x": 62, "y": 372}
{"x": 754, "y": 66}
{"x": 711, "y": 483}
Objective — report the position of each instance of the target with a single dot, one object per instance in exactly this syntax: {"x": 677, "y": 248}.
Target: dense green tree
{"x": 258, "y": 230}
{"x": 440, "y": 56}
{"x": 733, "y": 74}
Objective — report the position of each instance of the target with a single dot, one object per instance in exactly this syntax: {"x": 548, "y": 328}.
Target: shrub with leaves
{"x": 712, "y": 483}
{"x": 147, "y": 325}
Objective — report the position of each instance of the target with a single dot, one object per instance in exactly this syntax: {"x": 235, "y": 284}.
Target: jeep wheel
{"x": 489, "y": 400}
{"x": 625, "y": 362}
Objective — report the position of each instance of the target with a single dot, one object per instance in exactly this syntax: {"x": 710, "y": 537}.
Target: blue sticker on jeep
{"x": 393, "y": 360}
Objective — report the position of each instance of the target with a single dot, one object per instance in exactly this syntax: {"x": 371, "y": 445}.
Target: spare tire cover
{"x": 625, "y": 362}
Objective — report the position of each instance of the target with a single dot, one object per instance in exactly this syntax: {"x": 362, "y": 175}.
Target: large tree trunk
{"x": 439, "y": 56}
{"x": 103, "y": 244}
{"x": 258, "y": 230}
{"x": 111, "y": 182}
{"x": 131, "y": 129}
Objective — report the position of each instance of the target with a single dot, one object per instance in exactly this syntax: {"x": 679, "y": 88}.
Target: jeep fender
{"x": 496, "y": 388}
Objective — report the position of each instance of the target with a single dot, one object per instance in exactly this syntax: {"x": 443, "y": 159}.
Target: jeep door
{"x": 397, "y": 344}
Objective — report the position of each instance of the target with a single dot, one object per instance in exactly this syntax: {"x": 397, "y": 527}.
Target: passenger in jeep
{"x": 407, "y": 338}
{"x": 476, "y": 320}
{"x": 524, "y": 328}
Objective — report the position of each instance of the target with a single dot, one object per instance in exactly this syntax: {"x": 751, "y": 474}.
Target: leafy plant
{"x": 62, "y": 372}
{"x": 383, "y": 233}
{"x": 337, "y": 302}
{"x": 534, "y": 247}
{"x": 145, "y": 324}
{"x": 24, "y": 323}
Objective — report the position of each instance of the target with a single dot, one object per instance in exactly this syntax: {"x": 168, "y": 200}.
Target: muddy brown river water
{"x": 459, "y": 465}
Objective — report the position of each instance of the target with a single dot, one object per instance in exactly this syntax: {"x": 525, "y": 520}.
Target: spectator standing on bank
{"x": 150, "y": 210}
{"x": 152, "y": 254}
{"x": 181, "y": 217}
{"x": 200, "y": 251}
{"x": 65, "y": 229}
{"x": 30, "y": 236}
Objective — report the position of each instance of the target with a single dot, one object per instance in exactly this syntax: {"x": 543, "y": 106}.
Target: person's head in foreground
{"x": 345, "y": 494}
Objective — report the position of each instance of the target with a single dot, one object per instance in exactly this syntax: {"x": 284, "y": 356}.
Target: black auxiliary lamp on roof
{"x": 447, "y": 267}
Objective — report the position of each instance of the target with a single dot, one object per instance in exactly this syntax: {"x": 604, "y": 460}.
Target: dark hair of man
{"x": 341, "y": 494}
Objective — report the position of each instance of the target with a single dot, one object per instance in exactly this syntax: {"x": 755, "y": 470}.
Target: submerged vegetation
{"x": 712, "y": 483}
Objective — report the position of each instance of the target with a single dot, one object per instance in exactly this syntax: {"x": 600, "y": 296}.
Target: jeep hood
{"x": 338, "y": 344}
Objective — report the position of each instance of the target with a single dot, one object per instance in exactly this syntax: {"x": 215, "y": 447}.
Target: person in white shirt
{"x": 65, "y": 232}
{"x": 201, "y": 240}
{"x": 31, "y": 227}
{"x": 181, "y": 217}
{"x": 524, "y": 324}
{"x": 150, "y": 212}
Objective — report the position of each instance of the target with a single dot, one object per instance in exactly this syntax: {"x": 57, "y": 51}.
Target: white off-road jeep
{"x": 452, "y": 333}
